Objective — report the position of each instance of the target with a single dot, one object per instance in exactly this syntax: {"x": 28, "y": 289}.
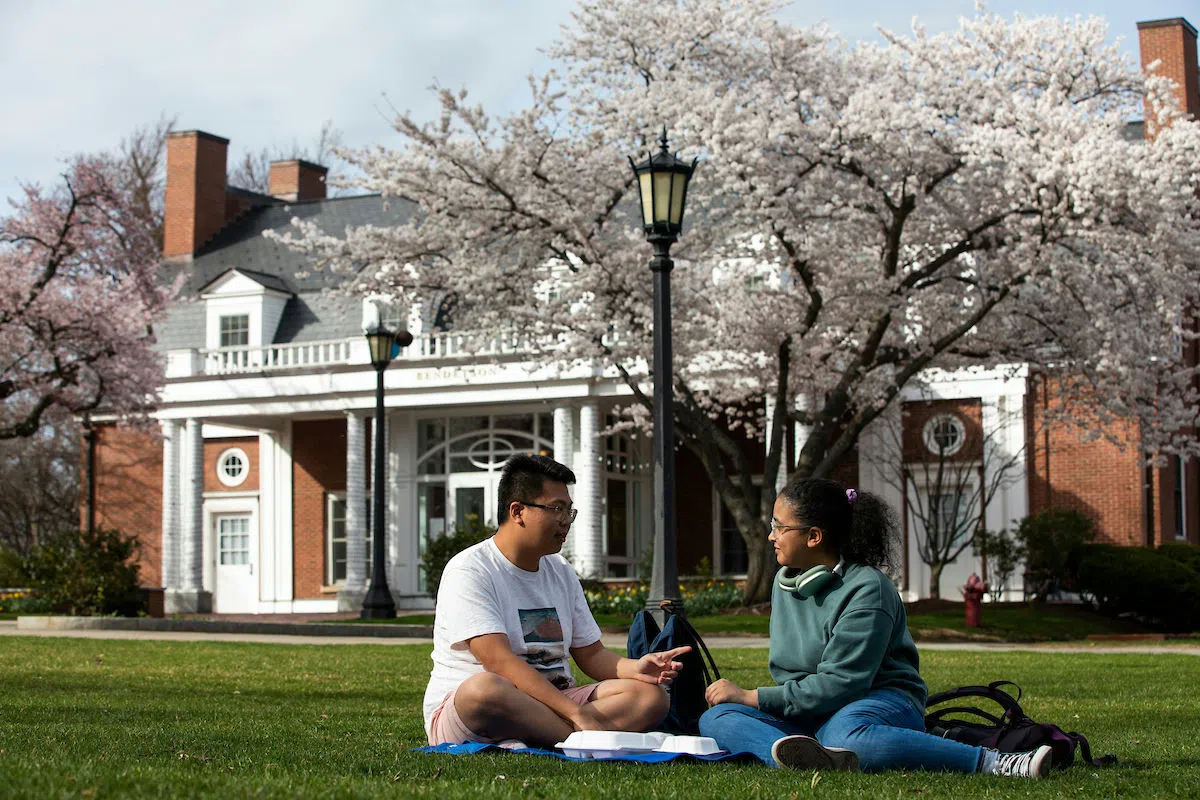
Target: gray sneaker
{"x": 1030, "y": 764}
{"x": 805, "y": 752}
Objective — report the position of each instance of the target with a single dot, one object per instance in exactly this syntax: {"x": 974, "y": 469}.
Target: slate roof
{"x": 267, "y": 281}
{"x": 311, "y": 314}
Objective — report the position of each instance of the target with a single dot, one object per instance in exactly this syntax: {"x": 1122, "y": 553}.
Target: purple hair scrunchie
{"x": 851, "y": 496}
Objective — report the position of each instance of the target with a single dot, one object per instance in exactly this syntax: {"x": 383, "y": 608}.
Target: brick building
{"x": 255, "y": 498}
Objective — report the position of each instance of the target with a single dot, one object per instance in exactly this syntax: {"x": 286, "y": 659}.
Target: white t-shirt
{"x": 543, "y": 613}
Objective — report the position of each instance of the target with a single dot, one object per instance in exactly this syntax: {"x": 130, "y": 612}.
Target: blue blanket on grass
{"x": 471, "y": 748}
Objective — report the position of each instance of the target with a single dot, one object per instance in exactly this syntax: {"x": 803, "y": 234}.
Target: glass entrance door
{"x": 471, "y": 495}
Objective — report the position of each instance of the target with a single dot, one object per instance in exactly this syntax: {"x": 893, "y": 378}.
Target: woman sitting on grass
{"x": 848, "y": 688}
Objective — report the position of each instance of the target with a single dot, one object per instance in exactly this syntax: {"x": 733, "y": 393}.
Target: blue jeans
{"x": 885, "y": 729}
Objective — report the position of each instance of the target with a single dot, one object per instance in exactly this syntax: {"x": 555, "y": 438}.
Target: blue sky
{"x": 82, "y": 73}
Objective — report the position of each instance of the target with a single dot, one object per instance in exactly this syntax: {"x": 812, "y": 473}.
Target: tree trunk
{"x": 935, "y": 581}
{"x": 761, "y": 571}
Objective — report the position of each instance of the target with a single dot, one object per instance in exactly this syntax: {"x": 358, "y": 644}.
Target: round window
{"x": 233, "y": 466}
{"x": 945, "y": 435}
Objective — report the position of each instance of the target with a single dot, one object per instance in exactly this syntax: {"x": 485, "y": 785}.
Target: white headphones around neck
{"x": 812, "y": 581}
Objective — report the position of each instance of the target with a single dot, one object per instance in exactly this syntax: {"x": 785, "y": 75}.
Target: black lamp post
{"x": 378, "y": 603}
{"x": 662, "y": 185}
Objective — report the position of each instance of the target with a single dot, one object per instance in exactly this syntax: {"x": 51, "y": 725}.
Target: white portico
{"x": 452, "y": 422}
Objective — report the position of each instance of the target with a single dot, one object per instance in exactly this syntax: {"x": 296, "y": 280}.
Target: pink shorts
{"x": 446, "y": 727}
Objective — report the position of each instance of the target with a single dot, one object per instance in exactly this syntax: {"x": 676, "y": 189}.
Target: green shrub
{"x": 701, "y": 599}
{"x": 1003, "y": 553}
{"x": 12, "y": 570}
{"x": 22, "y": 602}
{"x": 711, "y": 597}
{"x": 1143, "y": 582}
{"x": 625, "y": 600}
{"x": 1186, "y": 554}
{"x": 440, "y": 549}
{"x": 1053, "y": 540}
{"x": 85, "y": 574}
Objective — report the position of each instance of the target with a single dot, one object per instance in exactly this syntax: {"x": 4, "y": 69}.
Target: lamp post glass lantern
{"x": 384, "y": 346}
{"x": 662, "y": 188}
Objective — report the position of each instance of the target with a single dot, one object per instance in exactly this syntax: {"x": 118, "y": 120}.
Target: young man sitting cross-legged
{"x": 508, "y": 611}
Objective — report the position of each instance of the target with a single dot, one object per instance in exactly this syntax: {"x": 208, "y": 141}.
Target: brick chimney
{"x": 195, "y": 196}
{"x": 297, "y": 180}
{"x": 1172, "y": 42}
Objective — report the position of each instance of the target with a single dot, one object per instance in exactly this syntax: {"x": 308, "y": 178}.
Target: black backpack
{"x": 1011, "y": 732}
{"x": 699, "y": 669}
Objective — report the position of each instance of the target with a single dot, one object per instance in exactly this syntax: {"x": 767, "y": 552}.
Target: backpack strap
{"x": 995, "y": 687}
{"x": 939, "y": 717}
{"x": 1012, "y": 709}
{"x": 1085, "y": 751}
{"x": 711, "y": 673}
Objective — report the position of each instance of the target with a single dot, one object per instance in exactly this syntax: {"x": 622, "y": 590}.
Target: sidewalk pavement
{"x": 224, "y": 630}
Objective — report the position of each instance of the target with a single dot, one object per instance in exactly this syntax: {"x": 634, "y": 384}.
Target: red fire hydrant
{"x": 973, "y": 593}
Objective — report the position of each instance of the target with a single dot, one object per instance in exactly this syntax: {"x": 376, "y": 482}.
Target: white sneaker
{"x": 1030, "y": 764}
{"x": 805, "y": 752}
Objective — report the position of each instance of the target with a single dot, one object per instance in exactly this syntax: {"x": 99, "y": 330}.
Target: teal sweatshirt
{"x": 833, "y": 648}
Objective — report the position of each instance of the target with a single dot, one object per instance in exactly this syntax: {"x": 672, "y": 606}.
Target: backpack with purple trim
{"x": 1010, "y": 732}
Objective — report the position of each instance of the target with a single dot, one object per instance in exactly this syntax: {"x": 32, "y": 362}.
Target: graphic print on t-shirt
{"x": 546, "y": 652}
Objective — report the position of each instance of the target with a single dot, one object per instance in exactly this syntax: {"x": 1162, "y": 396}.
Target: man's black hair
{"x": 522, "y": 480}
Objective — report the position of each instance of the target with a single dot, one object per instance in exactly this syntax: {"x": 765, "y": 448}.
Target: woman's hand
{"x": 726, "y": 691}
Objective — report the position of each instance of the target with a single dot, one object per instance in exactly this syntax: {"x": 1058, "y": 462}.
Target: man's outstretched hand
{"x": 659, "y": 668}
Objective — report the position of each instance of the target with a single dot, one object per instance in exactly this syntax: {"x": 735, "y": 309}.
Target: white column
{"x": 356, "y": 498}
{"x": 589, "y": 474}
{"x": 995, "y": 457}
{"x": 402, "y": 510}
{"x": 564, "y": 453}
{"x": 192, "y": 596}
{"x": 268, "y": 515}
{"x": 781, "y": 475}
{"x": 399, "y": 482}
{"x": 351, "y": 596}
{"x": 801, "y": 432}
{"x": 172, "y": 432}
{"x": 879, "y": 472}
{"x": 1003, "y": 419}
{"x": 283, "y": 506}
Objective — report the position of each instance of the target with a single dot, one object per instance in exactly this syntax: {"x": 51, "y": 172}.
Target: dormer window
{"x": 242, "y": 309}
{"x": 235, "y": 330}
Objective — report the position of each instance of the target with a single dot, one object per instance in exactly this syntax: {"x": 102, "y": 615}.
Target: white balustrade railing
{"x": 426, "y": 346}
{"x": 230, "y": 360}
{"x": 462, "y": 344}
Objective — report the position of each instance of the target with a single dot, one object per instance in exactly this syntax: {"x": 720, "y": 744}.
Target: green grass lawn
{"x": 1009, "y": 622}
{"x": 94, "y": 718}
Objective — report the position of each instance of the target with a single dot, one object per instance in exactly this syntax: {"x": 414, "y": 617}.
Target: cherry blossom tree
{"x": 861, "y": 213}
{"x": 78, "y": 267}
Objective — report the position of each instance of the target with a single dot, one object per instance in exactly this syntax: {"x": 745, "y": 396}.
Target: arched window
{"x": 480, "y": 444}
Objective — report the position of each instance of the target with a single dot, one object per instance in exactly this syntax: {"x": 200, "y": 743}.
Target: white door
{"x": 471, "y": 493}
{"x": 237, "y": 543}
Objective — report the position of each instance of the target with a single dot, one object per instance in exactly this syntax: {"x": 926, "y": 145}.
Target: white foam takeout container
{"x": 605, "y": 744}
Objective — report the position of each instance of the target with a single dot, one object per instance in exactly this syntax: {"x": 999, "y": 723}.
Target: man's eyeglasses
{"x": 560, "y": 513}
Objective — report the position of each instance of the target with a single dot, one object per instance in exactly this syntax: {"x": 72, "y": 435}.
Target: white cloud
{"x": 269, "y": 72}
